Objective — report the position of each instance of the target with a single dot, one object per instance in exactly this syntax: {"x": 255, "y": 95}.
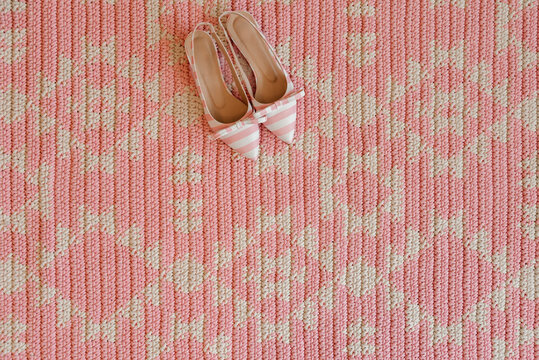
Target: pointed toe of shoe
{"x": 288, "y": 137}
{"x": 245, "y": 141}
{"x": 283, "y": 123}
{"x": 253, "y": 154}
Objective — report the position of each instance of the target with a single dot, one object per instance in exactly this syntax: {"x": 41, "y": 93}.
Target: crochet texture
{"x": 403, "y": 222}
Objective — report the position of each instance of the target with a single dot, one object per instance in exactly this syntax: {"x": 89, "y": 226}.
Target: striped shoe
{"x": 231, "y": 119}
{"x": 274, "y": 97}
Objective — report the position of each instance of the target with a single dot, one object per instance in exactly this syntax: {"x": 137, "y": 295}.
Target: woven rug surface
{"x": 401, "y": 224}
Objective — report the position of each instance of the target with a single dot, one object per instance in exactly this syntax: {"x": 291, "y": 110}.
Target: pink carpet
{"x": 402, "y": 224}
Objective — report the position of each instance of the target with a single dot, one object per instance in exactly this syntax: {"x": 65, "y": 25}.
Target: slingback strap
{"x": 244, "y": 77}
{"x": 254, "y": 119}
{"x": 230, "y": 64}
{"x": 246, "y": 81}
{"x": 285, "y": 100}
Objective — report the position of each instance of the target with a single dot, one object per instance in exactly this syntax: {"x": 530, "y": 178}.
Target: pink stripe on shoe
{"x": 272, "y": 119}
{"x": 248, "y": 147}
{"x": 285, "y": 129}
{"x": 243, "y": 133}
{"x": 244, "y": 141}
{"x": 291, "y": 119}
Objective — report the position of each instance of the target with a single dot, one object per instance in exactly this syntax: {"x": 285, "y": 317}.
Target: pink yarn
{"x": 401, "y": 224}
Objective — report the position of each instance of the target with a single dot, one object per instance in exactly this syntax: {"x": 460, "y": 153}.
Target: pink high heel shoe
{"x": 231, "y": 119}
{"x": 275, "y": 97}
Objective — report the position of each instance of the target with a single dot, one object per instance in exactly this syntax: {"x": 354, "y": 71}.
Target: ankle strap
{"x": 248, "y": 86}
{"x": 246, "y": 81}
{"x": 215, "y": 37}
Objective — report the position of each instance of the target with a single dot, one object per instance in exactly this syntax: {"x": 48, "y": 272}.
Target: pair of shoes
{"x": 235, "y": 119}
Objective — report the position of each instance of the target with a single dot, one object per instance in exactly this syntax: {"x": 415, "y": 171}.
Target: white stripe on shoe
{"x": 244, "y": 140}
{"x": 281, "y": 109}
{"x": 282, "y": 123}
{"x": 253, "y": 154}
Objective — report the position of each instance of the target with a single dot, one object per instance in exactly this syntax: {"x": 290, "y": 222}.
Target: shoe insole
{"x": 221, "y": 103}
{"x": 270, "y": 79}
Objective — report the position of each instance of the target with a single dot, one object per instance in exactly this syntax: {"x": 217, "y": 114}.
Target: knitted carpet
{"x": 402, "y": 224}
